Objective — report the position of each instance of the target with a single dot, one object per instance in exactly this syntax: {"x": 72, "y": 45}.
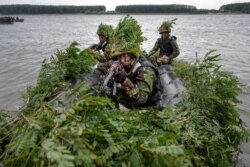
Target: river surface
{"x": 23, "y": 47}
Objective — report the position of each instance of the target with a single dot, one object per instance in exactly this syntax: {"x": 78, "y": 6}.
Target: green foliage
{"x": 127, "y": 36}
{"x": 56, "y": 73}
{"x": 106, "y": 30}
{"x": 74, "y": 62}
{"x": 167, "y": 25}
{"x": 212, "y": 98}
{"x": 205, "y": 130}
{"x": 4, "y": 128}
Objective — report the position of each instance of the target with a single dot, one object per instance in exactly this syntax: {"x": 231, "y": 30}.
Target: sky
{"x": 111, "y": 4}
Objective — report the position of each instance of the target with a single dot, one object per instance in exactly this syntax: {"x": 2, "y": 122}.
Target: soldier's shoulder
{"x": 172, "y": 37}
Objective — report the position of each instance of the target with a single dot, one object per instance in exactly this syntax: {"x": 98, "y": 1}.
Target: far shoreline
{"x": 128, "y": 14}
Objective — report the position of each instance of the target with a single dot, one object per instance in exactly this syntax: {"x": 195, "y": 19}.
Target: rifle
{"x": 108, "y": 79}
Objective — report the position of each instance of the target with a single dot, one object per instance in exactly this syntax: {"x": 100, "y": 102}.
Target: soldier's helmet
{"x": 166, "y": 26}
{"x": 117, "y": 50}
{"x": 104, "y": 30}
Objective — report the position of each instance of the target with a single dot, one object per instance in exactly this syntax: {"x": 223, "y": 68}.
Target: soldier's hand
{"x": 117, "y": 67}
{"x": 120, "y": 77}
{"x": 159, "y": 60}
{"x": 165, "y": 59}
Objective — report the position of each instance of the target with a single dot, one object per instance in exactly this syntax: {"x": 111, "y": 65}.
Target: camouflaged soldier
{"x": 137, "y": 78}
{"x": 167, "y": 44}
{"x": 103, "y": 33}
{"x": 97, "y": 76}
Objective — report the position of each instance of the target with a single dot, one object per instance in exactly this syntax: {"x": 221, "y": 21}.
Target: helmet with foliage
{"x": 117, "y": 50}
{"x": 166, "y": 26}
{"x": 105, "y": 30}
{"x": 127, "y": 38}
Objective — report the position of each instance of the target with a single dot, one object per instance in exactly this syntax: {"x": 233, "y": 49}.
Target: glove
{"x": 120, "y": 77}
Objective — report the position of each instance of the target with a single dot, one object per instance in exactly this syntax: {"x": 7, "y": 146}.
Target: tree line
{"x": 44, "y": 9}
{"x": 236, "y": 7}
{"x": 155, "y": 9}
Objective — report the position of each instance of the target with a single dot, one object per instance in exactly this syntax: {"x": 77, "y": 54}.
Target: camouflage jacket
{"x": 105, "y": 47}
{"x": 139, "y": 87}
{"x": 168, "y": 47}
{"x": 104, "y": 59}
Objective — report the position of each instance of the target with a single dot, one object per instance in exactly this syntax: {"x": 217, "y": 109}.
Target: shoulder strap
{"x": 172, "y": 37}
{"x": 143, "y": 62}
{"x": 134, "y": 71}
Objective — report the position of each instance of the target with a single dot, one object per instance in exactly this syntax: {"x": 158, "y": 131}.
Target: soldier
{"x": 167, "y": 44}
{"x": 96, "y": 78}
{"x": 103, "y": 34}
{"x": 137, "y": 78}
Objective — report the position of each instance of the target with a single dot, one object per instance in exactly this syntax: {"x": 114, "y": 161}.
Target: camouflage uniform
{"x": 168, "y": 46}
{"x": 97, "y": 76}
{"x": 105, "y": 60}
{"x": 140, "y": 87}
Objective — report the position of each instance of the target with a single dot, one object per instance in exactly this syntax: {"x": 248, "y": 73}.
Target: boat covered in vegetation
{"x": 65, "y": 124}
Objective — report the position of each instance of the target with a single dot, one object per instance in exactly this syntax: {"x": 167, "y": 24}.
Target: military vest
{"x": 165, "y": 45}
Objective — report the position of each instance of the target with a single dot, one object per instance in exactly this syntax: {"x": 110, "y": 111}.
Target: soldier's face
{"x": 125, "y": 59}
{"x": 102, "y": 38}
{"x": 165, "y": 35}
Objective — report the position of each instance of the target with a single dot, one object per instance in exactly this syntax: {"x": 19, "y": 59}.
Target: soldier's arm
{"x": 154, "y": 49}
{"x": 106, "y": 55}
{"x": 139, "y": 92}
{"x": 176, "y": 50}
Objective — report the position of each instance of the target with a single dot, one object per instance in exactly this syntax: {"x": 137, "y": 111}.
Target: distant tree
{"x": 236, "y": 7}
{"x": 156, "y": 9}
{"x": 43, "y": 9}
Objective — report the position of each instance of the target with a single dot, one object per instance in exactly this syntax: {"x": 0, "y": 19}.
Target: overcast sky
{"x": 111, "y": 4}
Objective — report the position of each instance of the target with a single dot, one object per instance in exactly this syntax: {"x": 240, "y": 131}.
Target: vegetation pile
{"x": 56, "y": 73}
{"x": 127, "y": 36}
{"x": 205, "y": 130}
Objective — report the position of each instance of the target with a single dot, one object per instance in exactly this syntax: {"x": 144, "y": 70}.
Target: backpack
{"x": 154, "y": 96}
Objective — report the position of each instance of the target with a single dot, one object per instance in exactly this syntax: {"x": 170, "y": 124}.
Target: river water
{"x": 23, "y": 46}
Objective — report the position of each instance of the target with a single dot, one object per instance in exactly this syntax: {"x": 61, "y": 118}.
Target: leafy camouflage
{"x": 166, "y": 26}
{"x": 127, "y": 37}
{"x": 105, "y": 30}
